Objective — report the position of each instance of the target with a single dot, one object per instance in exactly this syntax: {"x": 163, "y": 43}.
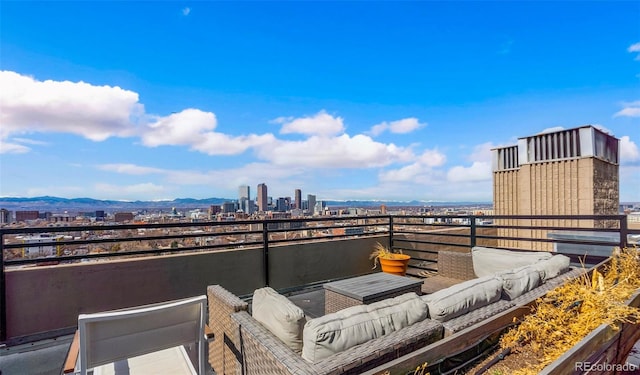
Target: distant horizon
{"x": 394, "y": 101}
{"x": 235, "y": 199}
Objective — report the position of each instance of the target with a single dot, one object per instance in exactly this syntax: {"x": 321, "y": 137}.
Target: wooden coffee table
{"x": 363, "y": 290}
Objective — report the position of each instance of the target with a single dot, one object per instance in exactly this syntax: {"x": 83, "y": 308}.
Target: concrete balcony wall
{"x": 46, "y": 300}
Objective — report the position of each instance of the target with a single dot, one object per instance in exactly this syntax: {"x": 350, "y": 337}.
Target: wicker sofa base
{"x": 244, "y": 346}
{"x": 263, "y": 353}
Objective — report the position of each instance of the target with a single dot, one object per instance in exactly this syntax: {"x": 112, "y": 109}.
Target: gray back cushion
{"x": 280, "y": 316}
{"x": 518, "y": 281}
{"x": 461, "y": 298}
{"x": 550, "y": 268}
{"x": 355, "y": 325}
{"x": 488, "y": 261}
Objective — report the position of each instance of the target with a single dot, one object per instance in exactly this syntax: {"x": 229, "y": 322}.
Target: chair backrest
{"x": 116, "y": 335}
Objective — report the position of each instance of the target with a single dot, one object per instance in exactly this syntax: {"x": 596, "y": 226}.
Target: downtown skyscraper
{"x": 298, "y": 198}
{"x": 262, "y": 197}
{"x": 244, "y": 199}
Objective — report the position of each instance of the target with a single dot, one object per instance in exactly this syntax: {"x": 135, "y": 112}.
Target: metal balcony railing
{"x": 417, "y": 235}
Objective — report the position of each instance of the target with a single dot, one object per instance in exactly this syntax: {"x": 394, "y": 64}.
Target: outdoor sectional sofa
{"x": 246, "y": 345}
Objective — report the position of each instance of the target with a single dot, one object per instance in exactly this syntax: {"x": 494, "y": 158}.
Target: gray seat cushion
{"x": 339, "y": 331}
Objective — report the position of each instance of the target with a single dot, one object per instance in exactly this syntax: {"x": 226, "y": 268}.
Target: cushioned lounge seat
{"x": 252, "y": 348}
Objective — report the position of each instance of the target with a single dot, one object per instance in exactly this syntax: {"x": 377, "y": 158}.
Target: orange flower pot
{"x": 397, "y": 265}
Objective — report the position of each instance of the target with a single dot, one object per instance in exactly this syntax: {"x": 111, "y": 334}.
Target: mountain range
{"x": 57, "y": 204}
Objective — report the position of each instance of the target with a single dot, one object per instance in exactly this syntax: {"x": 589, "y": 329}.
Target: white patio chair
{"x": 150, "y": 338}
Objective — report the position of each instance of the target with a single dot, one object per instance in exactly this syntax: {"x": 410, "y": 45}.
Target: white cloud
{"x": 344, "y": 151}
{"x": 30, "y": 141}
{"x": 194, "y": 128}
{"x": 322, "y": 124}
{"x": 182, "y": 128}
{"x": 146, "y": 191}
{"x": 631, "y": 109}
{"x": 432, "y": 158}
{"x": 222, "y": 144}
{"x": 406, "y": 125}
{"x": 55, "y": 190}
{"x": 228, "y": 179}
{"x": 378, "y": 129}
{"x": 131, "y": 169}
{"x": 100, "y": 112}
{"x": 478, "y": 171}
{"x": 186, "y": 11}
{"x": 231, "y": 178}
{"x": 635, "y": 48}
{"x": 482, "y": 152}
{"x": 429, "y": 187}
{"x": 407, "y": 173}
{"x": 94, "y": 112}
{"x": 420, "y": 171}
{"x": 12, "y": 148}
{"x": 629, "y": 151}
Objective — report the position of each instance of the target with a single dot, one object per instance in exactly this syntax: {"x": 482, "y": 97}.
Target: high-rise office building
{"x": 229, "y": 207}
{"x": 262, "y": 197}
{"x": 320, "y": 208}
{"x": 298, "y": 197}
{"x": 311, "y": 199}
{"x": 100, "y": 215}
{"x": 567, "y": 172}
{"x": 5, "y": 216}
{"x": 244, "y": 198}
{"x": 283, "y": 204}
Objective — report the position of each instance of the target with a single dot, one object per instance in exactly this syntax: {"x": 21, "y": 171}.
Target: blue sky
{"x": 345, "y": 100}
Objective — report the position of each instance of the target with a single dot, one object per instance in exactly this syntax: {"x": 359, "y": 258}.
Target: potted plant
{"x": 391, "y": 262}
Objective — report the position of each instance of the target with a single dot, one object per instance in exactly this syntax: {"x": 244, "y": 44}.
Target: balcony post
{"x": 265, "y": 251}
{"x": 624, "y": 230}
{"x": 472, "y": 235}
{"x": 390, "y": 232}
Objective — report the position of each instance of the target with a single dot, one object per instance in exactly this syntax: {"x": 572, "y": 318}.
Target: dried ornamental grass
{"x": 568, "y": 313}
{"x": 380, "y": 251}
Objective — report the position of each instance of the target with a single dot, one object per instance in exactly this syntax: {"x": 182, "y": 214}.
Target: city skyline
{"x": 348, "y": 100}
